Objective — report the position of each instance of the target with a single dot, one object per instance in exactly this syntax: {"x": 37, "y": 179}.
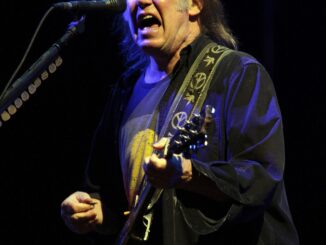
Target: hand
{"x": 81, "y": 213}
{"x": 169, "y": 173}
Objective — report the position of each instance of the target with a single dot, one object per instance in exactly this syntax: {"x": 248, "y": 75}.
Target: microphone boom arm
{"x": 48, "y": 61}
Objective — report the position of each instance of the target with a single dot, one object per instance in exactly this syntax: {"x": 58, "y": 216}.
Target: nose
{"x": 144, "y": 3}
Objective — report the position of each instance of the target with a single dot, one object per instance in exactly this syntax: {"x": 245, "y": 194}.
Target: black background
{"x": 43, "y": 148}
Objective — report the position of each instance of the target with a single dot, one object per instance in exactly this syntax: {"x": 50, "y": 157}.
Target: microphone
{"x": 112, "y": 5}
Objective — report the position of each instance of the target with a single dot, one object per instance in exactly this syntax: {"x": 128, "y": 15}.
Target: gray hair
{"x": 213, "y": 21}
{"x": 214, "y": 24}
{"x": 183, "y": 5}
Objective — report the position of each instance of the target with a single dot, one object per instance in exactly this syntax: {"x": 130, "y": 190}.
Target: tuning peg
{"x": 189, "y": 125}
{"x": 178, "y": 142}
{"x": 209, "y": 111}
{"x": 184, "y": 137}
{"x": 181, "y": 129}
{"x": 193, "y": 131}
{"x": 196, "y": 117}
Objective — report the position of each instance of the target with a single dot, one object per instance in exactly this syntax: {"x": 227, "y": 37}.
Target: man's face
{"x": 158, "y": 25}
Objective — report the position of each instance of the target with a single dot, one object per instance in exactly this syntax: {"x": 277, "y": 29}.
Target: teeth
{"x": 146, "y": 20}
{"x": 146, "y": 17}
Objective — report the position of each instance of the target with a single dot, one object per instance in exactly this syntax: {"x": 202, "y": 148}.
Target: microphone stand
{"x": 47, "y": 63}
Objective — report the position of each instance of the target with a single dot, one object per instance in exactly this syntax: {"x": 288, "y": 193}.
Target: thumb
{"x": 161, "y": 143}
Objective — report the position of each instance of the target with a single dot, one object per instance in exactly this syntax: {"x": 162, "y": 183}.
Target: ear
{"x": 195, "y": 7}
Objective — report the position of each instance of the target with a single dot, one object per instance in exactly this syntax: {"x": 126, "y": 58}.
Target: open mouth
{"x": 148, "y": 21}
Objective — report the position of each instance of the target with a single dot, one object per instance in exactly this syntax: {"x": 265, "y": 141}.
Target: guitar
{"x": 187, "y": 140}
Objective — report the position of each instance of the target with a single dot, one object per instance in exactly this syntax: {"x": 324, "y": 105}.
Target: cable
{"x": 26, "y": 52}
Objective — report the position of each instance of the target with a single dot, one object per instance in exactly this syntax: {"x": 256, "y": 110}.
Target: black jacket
{"x": 245, "y": 158}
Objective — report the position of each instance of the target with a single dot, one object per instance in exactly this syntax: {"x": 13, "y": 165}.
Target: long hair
{"x": 134, "y": 59}
{"x": 213, "y": 23}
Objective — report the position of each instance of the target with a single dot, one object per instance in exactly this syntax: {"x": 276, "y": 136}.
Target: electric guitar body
{"x": 186, "y": 140}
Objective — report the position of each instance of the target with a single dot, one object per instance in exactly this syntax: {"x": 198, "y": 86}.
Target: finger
{"x": 71, "y": 208}
{"x": 160, "y": 144}
{"x": 83, "y": 217}
{"x": 154, "y": 165}
{"x": 83, "y": 197}
{"x": 149, "y": 168}
{"x": 92, "y": 201}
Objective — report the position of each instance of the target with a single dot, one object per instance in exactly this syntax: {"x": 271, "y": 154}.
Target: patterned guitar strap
{"x": 189, "y": 99}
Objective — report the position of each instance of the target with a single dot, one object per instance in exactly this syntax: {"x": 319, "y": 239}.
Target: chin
{"x": 149, "y": 46}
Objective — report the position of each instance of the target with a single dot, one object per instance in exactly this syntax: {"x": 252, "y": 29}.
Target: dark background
{"x": 44, "y": 147}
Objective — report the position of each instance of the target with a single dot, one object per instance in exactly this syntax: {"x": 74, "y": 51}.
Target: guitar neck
{"x": 145, "y": 202}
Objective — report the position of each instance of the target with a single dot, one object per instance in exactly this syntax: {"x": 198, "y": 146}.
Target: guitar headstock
{"x": 192, "y": 136}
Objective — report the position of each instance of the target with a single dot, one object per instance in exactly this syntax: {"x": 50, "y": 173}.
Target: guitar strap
{"x": 192, "y": 92}
{"x": 188, "y": 100}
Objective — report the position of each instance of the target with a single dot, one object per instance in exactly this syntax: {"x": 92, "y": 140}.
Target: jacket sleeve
{"x": 247, "y": 160}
